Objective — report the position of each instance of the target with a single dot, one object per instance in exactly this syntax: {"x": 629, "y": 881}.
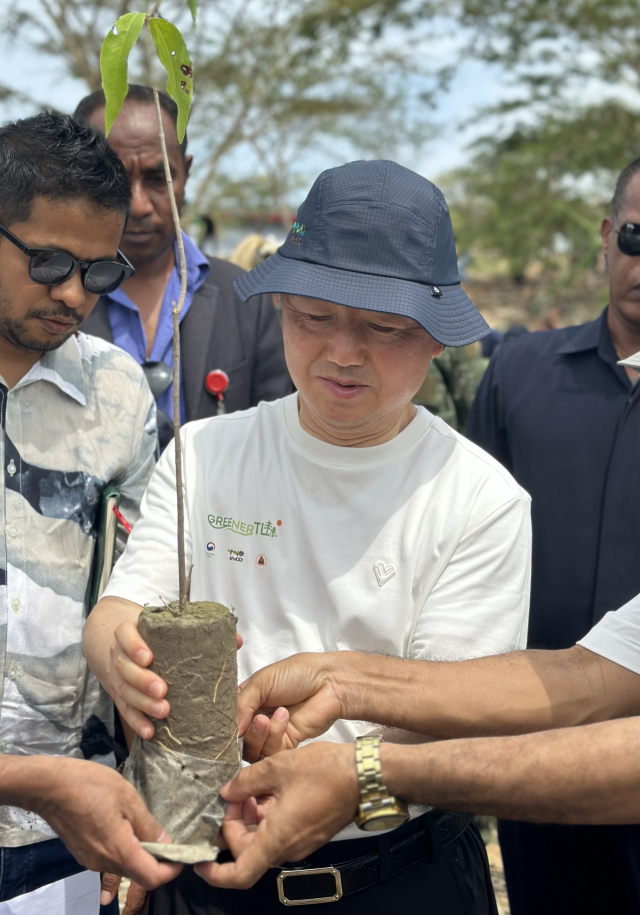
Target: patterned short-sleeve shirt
{"x": 81, "y": 418}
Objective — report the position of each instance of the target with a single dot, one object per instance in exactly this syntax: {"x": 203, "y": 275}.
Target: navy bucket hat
{"x": 374, "y": 235}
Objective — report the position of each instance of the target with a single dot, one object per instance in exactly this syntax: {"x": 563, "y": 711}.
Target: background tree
{"x": 280, "y": 82}
{"x": 535, "y": 196}
{"x": 540, "y": 178}
{"x": 538, "y": 184}
{"x": 276, "y": 78}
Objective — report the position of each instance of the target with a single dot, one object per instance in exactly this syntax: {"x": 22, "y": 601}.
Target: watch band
{"x": 373, "y": 791}
{"x": 377, "y": 809}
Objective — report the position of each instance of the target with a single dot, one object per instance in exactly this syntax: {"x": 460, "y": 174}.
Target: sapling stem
{"x": 175, "y": 312}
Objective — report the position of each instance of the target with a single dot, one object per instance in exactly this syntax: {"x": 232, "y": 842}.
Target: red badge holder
{"x": 216, "y": 383}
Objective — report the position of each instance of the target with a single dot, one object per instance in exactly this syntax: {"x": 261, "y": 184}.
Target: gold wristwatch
{"x": 377, "y": 808}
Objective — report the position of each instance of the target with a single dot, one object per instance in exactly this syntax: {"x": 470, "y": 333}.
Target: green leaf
{"x": 174, "y": 57}
{"x": 193, "y": 6}
{"x": 114, "y": 59}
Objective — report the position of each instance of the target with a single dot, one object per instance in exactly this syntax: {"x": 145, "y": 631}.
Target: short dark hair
{"x": 622, "y": 184}
{"x": 50, "y": 155}
{"x": 143, "y": 95}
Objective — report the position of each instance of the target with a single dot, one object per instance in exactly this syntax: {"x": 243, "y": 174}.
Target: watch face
{"x": 384, "y": 820}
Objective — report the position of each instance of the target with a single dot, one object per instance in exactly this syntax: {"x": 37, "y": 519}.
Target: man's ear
{"x": 438, "y": 350}
{"x": 606, "y": 228}
{"x": 187, "y": 167}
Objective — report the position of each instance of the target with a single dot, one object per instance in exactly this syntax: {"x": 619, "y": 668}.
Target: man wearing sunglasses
{"x": 559, "y": 413}
{"x": 217, "y": 331}
{"x": 50, "y": 267}
{"x": 76, "y": 414}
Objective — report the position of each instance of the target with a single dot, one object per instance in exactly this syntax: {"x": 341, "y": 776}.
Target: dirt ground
{"x": 497, "y": 876}
{"x": 536, "y": 304}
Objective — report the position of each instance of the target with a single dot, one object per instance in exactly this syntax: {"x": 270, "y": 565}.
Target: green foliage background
{"x": 276, "y": 78}
{"x": 537, "y": 195}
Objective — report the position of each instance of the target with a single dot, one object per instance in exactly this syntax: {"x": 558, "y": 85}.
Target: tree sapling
{"x": 196, "y": 749}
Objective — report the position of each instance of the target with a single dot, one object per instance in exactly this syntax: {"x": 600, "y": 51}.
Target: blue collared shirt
{"x": 128, "y": 329}
{"x": 558, "y": 412}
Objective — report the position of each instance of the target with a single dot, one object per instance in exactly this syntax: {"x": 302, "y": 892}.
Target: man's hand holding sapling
{"x": 298, "y": 809}
{"x": 139, "y": 693}
{"x": 306, "y": 687}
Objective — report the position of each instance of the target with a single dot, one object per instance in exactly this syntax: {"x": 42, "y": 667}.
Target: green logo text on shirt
{"x": 244, "y": 528}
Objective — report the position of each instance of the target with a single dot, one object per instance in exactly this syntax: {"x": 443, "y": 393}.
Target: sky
{"x": 475, "y": 85}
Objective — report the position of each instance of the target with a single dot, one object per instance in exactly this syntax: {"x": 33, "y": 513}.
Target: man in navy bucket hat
{"x": 341, "y": 517}
{"x": 374, "y": 235}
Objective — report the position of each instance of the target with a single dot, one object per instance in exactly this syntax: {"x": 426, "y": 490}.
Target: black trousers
{"x": 559, "y": 870}
{"x": 455, "y": 880}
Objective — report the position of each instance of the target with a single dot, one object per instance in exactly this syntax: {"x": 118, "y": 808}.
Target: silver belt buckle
{"x": 283, "y": 875}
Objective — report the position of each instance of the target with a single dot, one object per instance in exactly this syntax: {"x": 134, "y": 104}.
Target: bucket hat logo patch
{"x": 376, "y": 236}
{"x": 297, "y": 233}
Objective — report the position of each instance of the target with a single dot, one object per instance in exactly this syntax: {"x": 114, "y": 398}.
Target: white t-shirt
{"x": 617, "y": 636}
{"x": 419, "y": 547}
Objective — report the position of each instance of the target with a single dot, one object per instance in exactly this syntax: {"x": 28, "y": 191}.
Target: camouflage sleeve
{"x": 435, "y": 396}
{"x": 133, "y": 483}
{"x": 450, "y": 387}
{"x": 469, "y": 366}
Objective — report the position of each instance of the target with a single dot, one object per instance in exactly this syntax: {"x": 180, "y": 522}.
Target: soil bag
{"x": 196, "y": 749}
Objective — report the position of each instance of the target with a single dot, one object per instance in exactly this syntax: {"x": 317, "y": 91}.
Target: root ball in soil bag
{"x": 196, "y": 750}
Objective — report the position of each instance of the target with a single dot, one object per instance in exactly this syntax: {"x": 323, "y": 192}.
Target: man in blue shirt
{"x": 217, "y": 330}
{"x": 130, "y": 329}
{"x": 559, "y": 413}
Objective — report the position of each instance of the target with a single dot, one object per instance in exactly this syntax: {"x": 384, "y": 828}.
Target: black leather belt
{"x": 312, "y": 885}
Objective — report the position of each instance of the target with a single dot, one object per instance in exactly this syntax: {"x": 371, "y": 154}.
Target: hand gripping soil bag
{"x": 196, "y": 750}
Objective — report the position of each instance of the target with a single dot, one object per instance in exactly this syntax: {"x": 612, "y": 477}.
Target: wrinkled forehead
{"x": 135, "y": 132}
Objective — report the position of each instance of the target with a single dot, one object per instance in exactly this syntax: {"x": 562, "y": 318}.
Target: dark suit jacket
{"x": 221, "y": 332}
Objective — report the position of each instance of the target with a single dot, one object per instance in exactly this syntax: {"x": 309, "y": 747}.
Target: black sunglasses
{"x": 49, "y": 267}
{"x": 629, "y": 239}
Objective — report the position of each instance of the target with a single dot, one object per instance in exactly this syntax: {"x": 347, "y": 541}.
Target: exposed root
{"x": 168, "y": 749}
{"x": 171, "y": 737}
{"x": 215, "y": 692}
{"x": 175, "y": 667}
{"x": 234, "y": 736}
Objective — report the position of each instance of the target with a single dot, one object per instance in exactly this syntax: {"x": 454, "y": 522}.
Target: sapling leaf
{"x": 174, "y": 57}
{"x": 193, "y": 6}
{"x": 114, "y": 60}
